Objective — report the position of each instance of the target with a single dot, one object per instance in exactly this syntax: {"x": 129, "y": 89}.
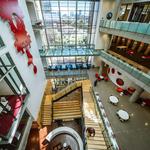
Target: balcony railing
{"x": 136, "y": 27}
{"x": 70, "y": 50}
{"x": 139, "y": 75}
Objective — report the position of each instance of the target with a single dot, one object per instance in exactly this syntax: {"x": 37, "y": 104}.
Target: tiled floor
{"x": 131, "y": 135}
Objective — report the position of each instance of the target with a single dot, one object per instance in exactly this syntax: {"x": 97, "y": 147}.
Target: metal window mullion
{"x": 52, "y": 22}
{"x": 60, "y": 25}
{"x": 44, "y": 22}
{"x": 93, "y": 6}
{"x": 76, "y": 26}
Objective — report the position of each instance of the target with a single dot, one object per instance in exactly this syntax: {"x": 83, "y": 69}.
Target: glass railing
{"x": 139, "y": 75}
{"x": 70, "y": 50}
{"x": 106, "y": 127}
{"x": 142, "y": 28}
{"x": 70, "y": 73}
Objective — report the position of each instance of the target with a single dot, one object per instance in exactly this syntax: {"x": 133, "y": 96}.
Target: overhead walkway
{"x": 83, "y": 50}
{"x": 92, "y": 120}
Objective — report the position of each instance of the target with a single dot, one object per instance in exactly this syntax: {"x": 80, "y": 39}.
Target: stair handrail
{"x": 66, "y": 90}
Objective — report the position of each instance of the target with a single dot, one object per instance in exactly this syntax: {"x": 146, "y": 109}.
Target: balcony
{"x": 129, "y": 27}
{"x": 143, "y": 79}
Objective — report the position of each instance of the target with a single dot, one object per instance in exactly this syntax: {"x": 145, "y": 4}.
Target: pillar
{"x": 101, "y": 67}
{"x": 136, "y": 94}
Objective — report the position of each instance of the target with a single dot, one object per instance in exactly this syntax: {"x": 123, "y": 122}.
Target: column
{"x": 101, "y": 67}
{"x": 136, "y": 94}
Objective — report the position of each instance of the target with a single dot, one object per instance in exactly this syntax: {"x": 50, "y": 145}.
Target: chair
{"x": 96, "y": 75}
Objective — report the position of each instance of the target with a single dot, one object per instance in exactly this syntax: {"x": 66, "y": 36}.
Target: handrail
{"x": 68, "y": 89}
{"x": 110, "y": 141}
{"x": 136, "y": 27}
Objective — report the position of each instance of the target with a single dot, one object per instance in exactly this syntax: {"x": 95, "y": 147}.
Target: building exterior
{"x": 39, "y": 36}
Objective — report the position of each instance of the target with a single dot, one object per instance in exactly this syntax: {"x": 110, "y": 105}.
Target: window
{"x": 69, "y": 23}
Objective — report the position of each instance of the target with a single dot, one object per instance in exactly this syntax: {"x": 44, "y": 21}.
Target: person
{"x": 95, "y": 82}
{"x": 90, "y": 131}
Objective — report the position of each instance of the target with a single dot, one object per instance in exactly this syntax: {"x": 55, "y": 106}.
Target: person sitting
{"x": 90, "y": 131}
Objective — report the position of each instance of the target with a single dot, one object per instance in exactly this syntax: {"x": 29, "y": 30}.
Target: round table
{"x": 114, "y": 100}
{"x": 123, "y": 115}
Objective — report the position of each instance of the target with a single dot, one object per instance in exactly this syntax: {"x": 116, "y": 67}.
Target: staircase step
{"x": 99, "y": 142}
{"x": 97, "y": 147}
{"x": 67, "y": 114}
{"x": 67, "y": 117}
{"x": 66, "y": 111}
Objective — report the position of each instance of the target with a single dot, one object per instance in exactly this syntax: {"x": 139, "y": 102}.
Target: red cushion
{"x": 96, "y": 75}
{"x": 106, "y": 78}
{"x": 99, "y": 79}
{"x": 119, "y": 89}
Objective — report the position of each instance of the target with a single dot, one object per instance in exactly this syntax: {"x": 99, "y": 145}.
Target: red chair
{"x": 131, "y": 90}
{"x": 104, "y": 75}
{"x": 106, "y": 78}
{"x": 99, "y": 79}
{"x": 119, "y": 89}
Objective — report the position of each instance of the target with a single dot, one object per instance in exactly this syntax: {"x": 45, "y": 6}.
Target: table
{"x": 121, "y": 47}
{"x": 114, "y": 100}
{"x": 123, "y": 115}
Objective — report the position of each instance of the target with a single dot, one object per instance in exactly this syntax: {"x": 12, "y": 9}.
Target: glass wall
{"x": 68, "y": 23}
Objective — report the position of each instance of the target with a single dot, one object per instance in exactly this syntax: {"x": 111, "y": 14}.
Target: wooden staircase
{"x": 46, "y": 106}
{"x": 66, "y": 110}
{"x": 92, "y": 120}
{"x": 46, "y": 109}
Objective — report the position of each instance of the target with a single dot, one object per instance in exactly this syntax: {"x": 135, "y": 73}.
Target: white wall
{"x": 34, "y": 83}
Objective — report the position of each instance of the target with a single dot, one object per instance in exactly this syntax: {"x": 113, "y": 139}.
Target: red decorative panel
{"x": 119, "y": 81}
{"x": 11, "y": 12}
{"x": 113, "y": 70}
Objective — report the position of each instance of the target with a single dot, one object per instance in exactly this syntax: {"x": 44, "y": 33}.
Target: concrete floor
{"x": 133, "y": 134}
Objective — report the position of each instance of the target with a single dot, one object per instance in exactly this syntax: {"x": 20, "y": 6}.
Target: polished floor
{"x": 131, "y": 135}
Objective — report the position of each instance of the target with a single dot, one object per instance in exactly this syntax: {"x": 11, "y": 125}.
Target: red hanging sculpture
{"x": 11, "y": 12}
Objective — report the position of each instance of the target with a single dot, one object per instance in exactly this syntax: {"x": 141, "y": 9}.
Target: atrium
{"x": 74, "y": 74}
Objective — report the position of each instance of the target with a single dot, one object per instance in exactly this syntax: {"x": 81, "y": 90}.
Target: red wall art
{"x": 11, "y": 12}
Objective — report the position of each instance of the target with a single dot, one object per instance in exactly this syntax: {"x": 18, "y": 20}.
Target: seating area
{"x": 69, "y": 66}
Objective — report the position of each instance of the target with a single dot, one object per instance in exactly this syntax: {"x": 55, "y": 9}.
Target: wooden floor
{"x": 92, "y": 120}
